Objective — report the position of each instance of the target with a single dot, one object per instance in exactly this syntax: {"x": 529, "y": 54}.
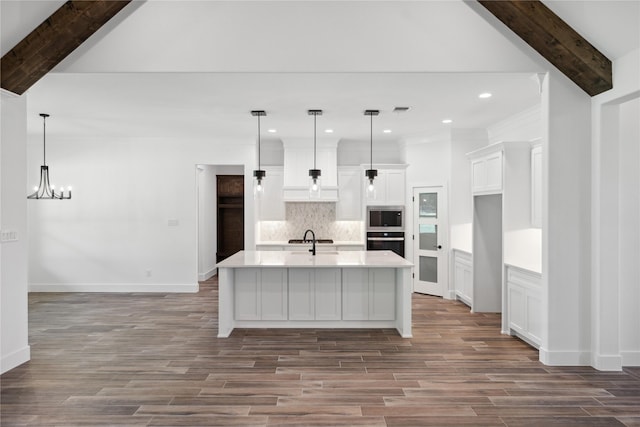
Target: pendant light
{"x": 314, "y": 174}
{"x": 371, "y": 173}
{"x": 259, "y": 174}
{"x": 45, "y": 190}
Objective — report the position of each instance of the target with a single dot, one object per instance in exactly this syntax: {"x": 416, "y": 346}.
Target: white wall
{"x": 629, "y": 231}
{"x": 566, "y": 220}
{"x": 609, "y": 150}
{"x": 14, "y": 345}
{"x": 132, "y": 222}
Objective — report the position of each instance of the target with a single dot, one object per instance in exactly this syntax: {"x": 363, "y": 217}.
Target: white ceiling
{"x": 196, "y": 68}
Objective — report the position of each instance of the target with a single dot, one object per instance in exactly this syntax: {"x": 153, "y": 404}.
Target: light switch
{"x": 172, "y": 223}
{"x": 8, "y": 236}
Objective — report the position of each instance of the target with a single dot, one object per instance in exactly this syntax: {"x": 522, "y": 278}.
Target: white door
{"x": 430, "y": 231}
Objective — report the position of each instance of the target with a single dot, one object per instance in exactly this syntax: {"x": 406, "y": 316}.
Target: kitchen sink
{"x": 291, "y": 241}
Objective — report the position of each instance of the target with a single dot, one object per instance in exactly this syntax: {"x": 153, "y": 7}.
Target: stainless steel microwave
{"x": 385, "y": 218}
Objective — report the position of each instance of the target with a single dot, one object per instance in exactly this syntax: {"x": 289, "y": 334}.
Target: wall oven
{"x": 385, "y": 229}
{"x": 386, "y": 241}
{"x": 385, "y": 218}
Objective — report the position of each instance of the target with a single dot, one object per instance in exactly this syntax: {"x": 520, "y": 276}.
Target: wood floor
{"x": 154, "y": 360}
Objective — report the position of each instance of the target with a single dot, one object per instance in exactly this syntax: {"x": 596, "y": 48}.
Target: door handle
{"x": 437, "y": 246}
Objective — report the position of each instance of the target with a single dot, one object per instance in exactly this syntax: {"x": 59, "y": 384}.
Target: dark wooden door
{"x": 230, "y": 197}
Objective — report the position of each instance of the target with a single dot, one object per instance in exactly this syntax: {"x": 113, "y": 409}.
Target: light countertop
{"x": 286, "y": 243}
{"x": 303, "y": 258}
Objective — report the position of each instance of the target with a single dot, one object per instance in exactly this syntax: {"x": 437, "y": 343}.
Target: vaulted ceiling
{"x": 308, "y": 43}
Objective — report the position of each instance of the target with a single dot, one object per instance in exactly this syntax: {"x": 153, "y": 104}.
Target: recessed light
{"x": 484, "y": 95}
{"x": 447, "y": 121}
{"x": 328, "y": 131}
{"x": 387, "y": 131}
{"x": 271, "y": 130}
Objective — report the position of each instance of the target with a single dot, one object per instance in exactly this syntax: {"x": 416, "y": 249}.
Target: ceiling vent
{"x": 400, "y": 109}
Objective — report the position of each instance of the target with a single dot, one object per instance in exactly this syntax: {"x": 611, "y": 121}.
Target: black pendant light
{"x": 314, "y": 174}
{"x": 45, "y": 190}
{"x": 371, "y": 173}
{"x": 259, "y": 174}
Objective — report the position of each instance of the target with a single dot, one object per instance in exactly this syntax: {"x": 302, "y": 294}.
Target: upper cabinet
{"x": 298, "y": 159}
{"x": 390, "y": 187}
{"x": 349, "y": 205}
{"x": 536, "y": 186}
{"x": 271, "y": 203}
{"x": 486, "y": 172}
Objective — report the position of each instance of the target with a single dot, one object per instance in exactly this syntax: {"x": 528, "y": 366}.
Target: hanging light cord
{"x": 371, "y": 141}
{"x": 258, "y": 141}
{"x": 44, "y": 139}
{"x": 314, "y": 139}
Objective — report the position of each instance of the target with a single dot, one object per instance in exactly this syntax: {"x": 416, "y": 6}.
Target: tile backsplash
{"x": 320, "y": 217}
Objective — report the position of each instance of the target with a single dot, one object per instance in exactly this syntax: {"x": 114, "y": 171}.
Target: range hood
{"x": 298, "y": 159}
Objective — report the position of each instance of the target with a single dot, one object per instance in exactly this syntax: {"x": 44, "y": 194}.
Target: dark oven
{"x": 386, "y": 241}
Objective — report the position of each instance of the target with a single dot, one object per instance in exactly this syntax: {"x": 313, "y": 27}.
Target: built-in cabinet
{"x": 315, "y": 294}
{"x": 299, "y": 158}
{"x": 349, "y": 205}
{"x": 271, "y": 205}
{"x": 486, "y": 172}
{"x": 390, "y": 187}
{"x": 463, "y": 276}
{"x": 261, "y": 294}
{"x": 525, "y": 304}
{"x": 369, "y": 294}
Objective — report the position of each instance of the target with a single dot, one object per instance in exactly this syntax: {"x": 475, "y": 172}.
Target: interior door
{"x": 430, "y": 241}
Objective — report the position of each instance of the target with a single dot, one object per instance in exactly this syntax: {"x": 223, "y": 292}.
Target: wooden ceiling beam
{"x": 53, "y": 40}
{"x": 555, "y": 40}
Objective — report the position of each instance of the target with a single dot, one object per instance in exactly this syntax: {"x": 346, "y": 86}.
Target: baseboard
{"x": 114, "y": 287}
{"x": 564, "y": 358}
{"x": 451, "y": 295}
{"x": 630, "y": 358}
{"x": 207, "y": 275}
{"x": 14, "y": 359}
{"x": 607, "y": 362}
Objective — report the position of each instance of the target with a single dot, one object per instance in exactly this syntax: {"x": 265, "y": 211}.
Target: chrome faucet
{"x": 313, "y": 236}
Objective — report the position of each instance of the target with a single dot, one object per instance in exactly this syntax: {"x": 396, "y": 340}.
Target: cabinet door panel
{"x": 382, "y": 294}
{"x": 301, "y": 294}
{"x": 534, "y": 317}
{"x": 355, "y": 294}
{"x": 494, "y": 172}
{"x": 395, "y": 187}
{"x": 274, "y": 294}
{"x": 516, "y": 308}
{"x": 247, "y": 294}
{"x": 349, "y": 205}
{"x": 328, "y": 295}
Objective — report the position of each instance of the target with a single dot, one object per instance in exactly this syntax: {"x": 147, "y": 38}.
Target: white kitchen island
{"x": 291, "y": 289}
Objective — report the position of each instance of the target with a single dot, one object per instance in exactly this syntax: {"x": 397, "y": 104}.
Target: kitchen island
{"x": 295, "y": 289}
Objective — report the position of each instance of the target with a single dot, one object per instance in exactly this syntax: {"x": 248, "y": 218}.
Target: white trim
{"x": 115, "y": 287}
{"x": 207, "y": 275}
{"x": 611, "y": 362}
{"x": 564, "y": 358}
{"x": 14, "y": 359}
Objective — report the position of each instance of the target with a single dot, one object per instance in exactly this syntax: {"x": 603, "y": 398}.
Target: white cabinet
{"x": 486, "y": 173}
{"x": 261, "y": 294}
{"x": 524, "y": 304}
{"x": 271, "y": 203}
{"x": 298, "y": 159}
{"x": 315, "y": 294}
{"x": 463, "y": 276}
{"x": 390, "y": 188}
{"x": 369, "y": 294}
{"x": 536, "y": 186}
{"x": 349, "y": 205}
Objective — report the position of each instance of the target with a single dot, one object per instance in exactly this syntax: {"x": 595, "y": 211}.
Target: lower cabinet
{"x": 369, "y": 294}
{"x": 463, "y": 276}
{"x": 315, "y": 294}
{"x": 261, "y": 294}
{"x": 524, "y": 304}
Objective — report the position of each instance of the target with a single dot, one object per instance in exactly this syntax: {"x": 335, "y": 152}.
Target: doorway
{"x": 230, "y": 207}
{"x": 430, "y": 240}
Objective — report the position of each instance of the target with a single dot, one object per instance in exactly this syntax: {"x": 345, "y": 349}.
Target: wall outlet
{"x": 147, "y": 273}
{"x": 8, "y": 236}
{"x": 172, "y": 223}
